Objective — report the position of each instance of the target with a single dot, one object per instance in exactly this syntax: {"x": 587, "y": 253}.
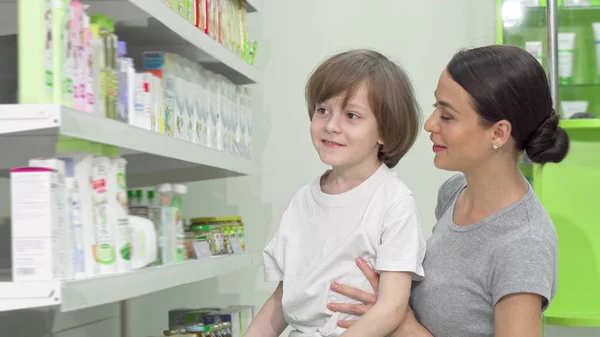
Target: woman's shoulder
{"x": 448, "y": 191}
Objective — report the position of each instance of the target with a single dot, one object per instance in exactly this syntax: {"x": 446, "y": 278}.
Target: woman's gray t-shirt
{"x": 468, "y": 269}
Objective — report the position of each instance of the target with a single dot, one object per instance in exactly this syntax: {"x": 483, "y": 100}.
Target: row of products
{"x": 198, "y": 105}
{"x": 69, "y": 214}
{"x": 73, "y": 217}
{"x": 76, "y": 60}
{"x": 164, "y": 209}
{"x": 214, "y": 236}
{"x": 565, "y": 3}
{"x": 70, "y": 58}
{"x": 177, "y": 240}
{"x": 566, "y": 47}
{"x": 222, "y": 20}
{"x": 232, "y": 321}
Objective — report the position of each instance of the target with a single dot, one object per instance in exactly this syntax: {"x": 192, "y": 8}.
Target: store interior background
{"x": 294, "y": 36}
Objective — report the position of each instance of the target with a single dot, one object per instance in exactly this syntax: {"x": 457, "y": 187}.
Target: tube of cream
{"x": 569, "y": 108}
{"x": 535, "y": 49}
{"x": 566, "y": 44}
{"x": 596, "y": 26}
{"x": 576, "y": 3}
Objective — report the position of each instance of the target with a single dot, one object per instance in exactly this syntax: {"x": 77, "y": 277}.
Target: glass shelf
{"x": 525, "y": 24}
{"x": 561, "y": 8}
{"x": 580, "y": 85}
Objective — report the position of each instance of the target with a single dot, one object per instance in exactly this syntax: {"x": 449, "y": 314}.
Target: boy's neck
{"x": 343, "y": 179}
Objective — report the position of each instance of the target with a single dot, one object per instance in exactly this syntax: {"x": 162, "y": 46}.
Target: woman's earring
{"x": 495, "y": 147}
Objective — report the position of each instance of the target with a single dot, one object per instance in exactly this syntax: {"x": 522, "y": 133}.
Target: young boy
{"x": 364, "y": 118}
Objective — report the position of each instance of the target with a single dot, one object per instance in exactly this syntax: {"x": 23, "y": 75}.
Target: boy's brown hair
{"x": 391, "y": 96}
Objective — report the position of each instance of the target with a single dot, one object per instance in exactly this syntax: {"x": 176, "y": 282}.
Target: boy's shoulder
{"x": 394, "y": 187}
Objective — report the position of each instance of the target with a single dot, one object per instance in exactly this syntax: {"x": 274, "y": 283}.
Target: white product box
{"x": 65, "y": 235}
{"x": 35, "y": 210}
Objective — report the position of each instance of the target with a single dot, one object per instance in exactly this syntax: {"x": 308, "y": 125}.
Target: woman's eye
{"x": 445, "y": 118}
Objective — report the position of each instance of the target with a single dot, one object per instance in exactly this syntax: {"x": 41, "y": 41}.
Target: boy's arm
{"x": 269, "y": 321}
{"x": 388, "y": 313}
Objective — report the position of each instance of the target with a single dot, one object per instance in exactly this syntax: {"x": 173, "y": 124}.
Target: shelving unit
{"x": 150, "y": 25}
{"x": 565, "y": 189}
{"x": 86, "y": 293}
{"x": 28, "y": 131}
{"x": 166, "y": 31}
{"x": 152, "y": 158}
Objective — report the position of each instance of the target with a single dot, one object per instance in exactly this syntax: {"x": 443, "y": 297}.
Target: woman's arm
{"x": 518, "y": 315}
{"x": 269, "y": 321}
{"x": 410, "y": 327}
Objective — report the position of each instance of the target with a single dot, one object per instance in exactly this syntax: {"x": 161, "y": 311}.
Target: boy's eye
{"x": 321, "y": 110}
{"x": 352, "y": 115}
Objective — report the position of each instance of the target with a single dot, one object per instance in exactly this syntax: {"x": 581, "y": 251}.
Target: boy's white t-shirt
{"x": 320, "y": 237}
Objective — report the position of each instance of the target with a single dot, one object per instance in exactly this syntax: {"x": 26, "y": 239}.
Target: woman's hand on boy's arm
{"x": 388, "y": 313}
{"x": 411, "y": 327}
{"x": 269, "y": 322}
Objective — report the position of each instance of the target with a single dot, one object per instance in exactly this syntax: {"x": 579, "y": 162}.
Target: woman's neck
{"x": 493, "y": 188}
{"x": 344, "y": 179}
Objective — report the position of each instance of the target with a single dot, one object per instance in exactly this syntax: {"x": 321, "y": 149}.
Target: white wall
{"x": 296, "y": 35}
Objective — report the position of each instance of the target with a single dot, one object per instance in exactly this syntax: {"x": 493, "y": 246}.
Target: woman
{"x": 491, "y": 261}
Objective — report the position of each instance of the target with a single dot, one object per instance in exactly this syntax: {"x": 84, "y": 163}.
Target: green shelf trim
{"x": 579, "y": 85}
{"x": 586, "y": 320}
{"x": 579, "y": 124}
{"x": 584, "y": 130}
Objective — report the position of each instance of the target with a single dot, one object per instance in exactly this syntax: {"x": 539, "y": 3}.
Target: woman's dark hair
{"x": 508, "y": 83}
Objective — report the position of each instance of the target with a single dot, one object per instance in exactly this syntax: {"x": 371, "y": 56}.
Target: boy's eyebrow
{"x": 446, "y": 104}
{"x": 354, "y": 105}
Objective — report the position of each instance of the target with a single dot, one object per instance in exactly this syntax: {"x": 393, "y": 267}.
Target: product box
{"x": 64, "y": 225}
{"x": 187, "y": 316}
{"x": 240, "y": 318}
{"x": 144, "y": 104}
{"x": 162, "y": 65}
{"x": 37, "y": 254}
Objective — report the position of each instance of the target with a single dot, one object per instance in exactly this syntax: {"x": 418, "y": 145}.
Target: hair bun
{"x": 550, "y": 143}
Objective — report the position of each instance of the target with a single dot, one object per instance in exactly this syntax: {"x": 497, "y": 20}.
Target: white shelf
{"x": 85, "y": 293}
{"x": 253, "y": 6}
{"x": 30, "y": 130}
{"x": 167, "y": 31}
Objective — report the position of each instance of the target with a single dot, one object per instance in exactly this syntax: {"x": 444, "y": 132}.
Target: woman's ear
{"x": 501, "y": 131}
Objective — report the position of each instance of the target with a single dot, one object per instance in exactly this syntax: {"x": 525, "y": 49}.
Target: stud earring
{"x": 495, "y": 147}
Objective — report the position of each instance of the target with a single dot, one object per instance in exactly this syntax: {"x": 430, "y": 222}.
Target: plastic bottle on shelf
{"x": 164, "y": 218}
{"x": 97, "y": 77}
{"x": 126, "y": 78}
{"x": 112, "y": 69}
{"x": 104, "y": 232}
{"x": 78, "y": 158}
{"x": 218, "y": 112}
{"x": 177, "y": 202}
{"x": 117, "y": 211}
{"x": 211, "y": 104}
